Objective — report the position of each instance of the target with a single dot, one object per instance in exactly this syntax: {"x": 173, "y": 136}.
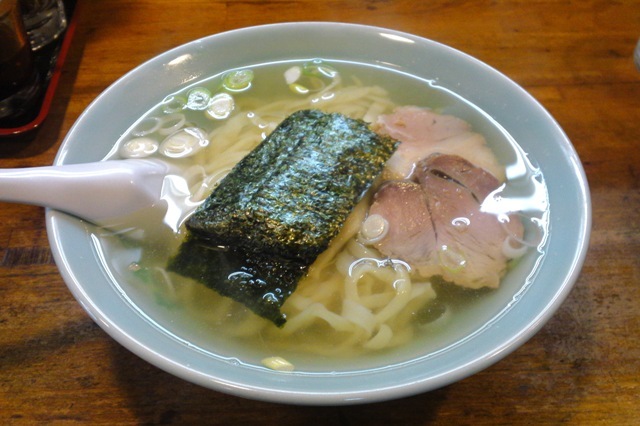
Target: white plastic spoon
{"x": 105, "y": 193}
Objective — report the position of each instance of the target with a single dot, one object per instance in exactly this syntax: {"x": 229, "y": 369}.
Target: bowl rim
{"x": 322, "y": 392}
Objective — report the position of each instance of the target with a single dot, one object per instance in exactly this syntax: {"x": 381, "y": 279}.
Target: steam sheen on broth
{"x": 355, "y": 305}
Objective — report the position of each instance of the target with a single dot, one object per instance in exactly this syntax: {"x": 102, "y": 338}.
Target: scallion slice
{"x": 138, "y": 148}
{"x": 171, "y": 123}
{"x": 238, "y": 80}
{"x": 198, "y": 98}
{"x": 147, "y": 126}
{"x": 292, "y": 74}
{"x": 312, "y": 77}
{"x": 172, "y": 104}
{"x": 299, "y": 89}
{"x": 220, "y": 106}
{"x": 318, "y": 68}
{"x": 184, "y": 143}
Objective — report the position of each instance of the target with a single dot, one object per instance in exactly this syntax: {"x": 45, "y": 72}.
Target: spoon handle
{"x": 93, "y": 191}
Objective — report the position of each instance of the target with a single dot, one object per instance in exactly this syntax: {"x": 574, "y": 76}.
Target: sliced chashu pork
{"x": 401, "y": 216}
{"x": 423, "y": 132}
{"x": 434, "y": 222}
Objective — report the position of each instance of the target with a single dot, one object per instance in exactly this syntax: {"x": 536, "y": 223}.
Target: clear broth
{"x": 469, "y": 312}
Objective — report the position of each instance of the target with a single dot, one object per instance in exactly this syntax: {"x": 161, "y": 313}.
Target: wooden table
{"x": 582, "y": 368}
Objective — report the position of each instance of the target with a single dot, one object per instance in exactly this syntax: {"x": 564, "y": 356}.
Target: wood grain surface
{"x": 58, "y": 367}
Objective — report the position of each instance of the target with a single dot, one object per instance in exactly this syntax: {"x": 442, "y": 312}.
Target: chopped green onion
{"x": 315, "y": 84}
{"x": 184, "y": 143}
{"x": 138, "y": 148}
{"x": 172, "y": 104}
{"x": 312, "y": 85}
{"x": 238, "y": 80}
{"x": 513, "y": 249}
{"x": 277, "y": 363}
{"x": 220, "y": 106}
{"x": 373, "y": 229}
{"x": 147, "y": 126}
{"x": 299, "y": 89}
{"x": 170, "y": 123}
{"x": 312, "y": 77}
{"x": 198, "y": 98}
{"x": 292, "y": 74}
{"x": 319, "y": 69}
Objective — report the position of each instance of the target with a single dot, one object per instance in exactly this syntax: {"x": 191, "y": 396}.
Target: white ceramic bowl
{"x": 532, "y": 127}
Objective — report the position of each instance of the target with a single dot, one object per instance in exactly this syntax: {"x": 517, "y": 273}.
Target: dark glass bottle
{"x": 19, "y": 79}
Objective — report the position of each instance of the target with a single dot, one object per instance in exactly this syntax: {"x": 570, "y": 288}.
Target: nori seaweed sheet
{"x": 280, "y": 207}
{"x": 292, "y": 193}
{"x": 261, "y": 283}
